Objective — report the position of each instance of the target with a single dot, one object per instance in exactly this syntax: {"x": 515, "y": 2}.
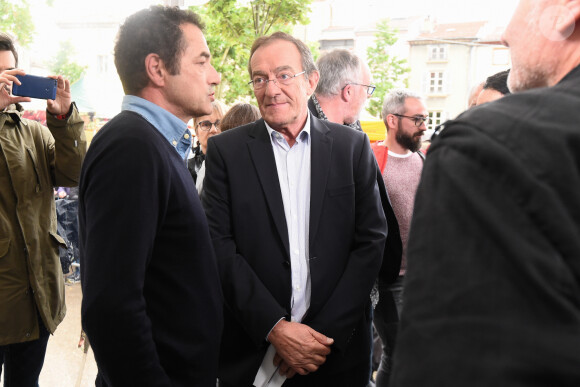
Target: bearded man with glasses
{"x": 405, "y": 117}
{"x": 299, "y": 232}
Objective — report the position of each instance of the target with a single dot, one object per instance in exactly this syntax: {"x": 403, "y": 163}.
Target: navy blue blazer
{"x": 245, "y": 212}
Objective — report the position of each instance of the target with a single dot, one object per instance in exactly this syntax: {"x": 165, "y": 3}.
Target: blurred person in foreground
{"x": 493, "y": 277}
{"x": 152, "y": 303}
{"x": 33, "y": 160}
{"x": 299, "y": 232}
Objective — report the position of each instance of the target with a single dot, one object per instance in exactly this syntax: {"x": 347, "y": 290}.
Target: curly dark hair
{"x": 156, "y": 29}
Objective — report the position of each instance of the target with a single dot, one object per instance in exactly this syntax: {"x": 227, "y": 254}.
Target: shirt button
{"x": 27, "y": 334}
{"x": 186, "y": 136}
{"x": 174, "y": 143}
{"x": 296, "y": 252}
{"x": 297, "y": 287}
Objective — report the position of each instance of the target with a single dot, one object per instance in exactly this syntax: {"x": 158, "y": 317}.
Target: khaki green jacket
{"x": 33, "y": 160}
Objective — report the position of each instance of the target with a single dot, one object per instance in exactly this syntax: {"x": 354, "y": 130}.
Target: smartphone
{"x": 35, "y": 87}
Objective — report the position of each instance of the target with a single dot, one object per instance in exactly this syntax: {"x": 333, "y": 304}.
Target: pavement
{"x": 65, "y": 364}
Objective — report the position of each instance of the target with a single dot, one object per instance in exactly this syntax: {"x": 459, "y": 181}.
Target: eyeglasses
{"x": 206, "y": 125}
{"x": 370, "y": 88}
{"x": 284, "y": 78}
{"x": 418, "y": 120}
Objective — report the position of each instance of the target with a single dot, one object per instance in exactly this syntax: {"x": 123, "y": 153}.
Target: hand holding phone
{"x": 7, "y": 79}
{"x": 62, "y": 103}
{"x": 35, "y": 87}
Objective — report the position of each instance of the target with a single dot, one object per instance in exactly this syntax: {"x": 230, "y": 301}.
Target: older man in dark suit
{"x": 299, "y": 231}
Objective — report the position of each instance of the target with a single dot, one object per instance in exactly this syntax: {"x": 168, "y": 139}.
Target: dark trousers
{"x": 386, "y": 320}
{"x": 23, "y": 361}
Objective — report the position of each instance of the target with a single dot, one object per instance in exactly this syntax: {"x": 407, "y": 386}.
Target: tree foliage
{"x": 62, "y": 64}
{"x": 388, "y": 70}
{"x": 231, "y": 28}
{"x": 16, "y": 19}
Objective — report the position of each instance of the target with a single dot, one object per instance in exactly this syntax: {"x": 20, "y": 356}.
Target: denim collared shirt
{"x": 172, "y": 128}
{"x": 293, "y": 165}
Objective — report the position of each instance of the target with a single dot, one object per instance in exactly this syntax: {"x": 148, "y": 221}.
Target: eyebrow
{"x": 276, "y": 70}
{"x": 205, "y": 54}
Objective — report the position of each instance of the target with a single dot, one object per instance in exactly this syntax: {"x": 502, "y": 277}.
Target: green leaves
{"x": 15, "y": 19}
{"x": 61, "y": 64}
{"x": 231, "y": 28}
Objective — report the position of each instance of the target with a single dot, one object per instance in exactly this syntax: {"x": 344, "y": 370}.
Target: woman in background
{"x": 204, "y": 127}
{"x": 238, "y": 115}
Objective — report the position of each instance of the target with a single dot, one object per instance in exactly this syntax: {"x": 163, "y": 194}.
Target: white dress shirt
{"x": 293, "y": 165}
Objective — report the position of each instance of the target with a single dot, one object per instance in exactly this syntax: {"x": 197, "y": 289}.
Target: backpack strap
{"x": 421, "y": 155}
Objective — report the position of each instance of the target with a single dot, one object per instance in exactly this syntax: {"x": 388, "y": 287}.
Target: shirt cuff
{"x": 268, "y": 335}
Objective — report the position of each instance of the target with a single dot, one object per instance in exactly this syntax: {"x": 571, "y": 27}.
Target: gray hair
{"x": 305, "y": 55}
{"x": 394, "y": 102}
{"x": 337, "y": 68}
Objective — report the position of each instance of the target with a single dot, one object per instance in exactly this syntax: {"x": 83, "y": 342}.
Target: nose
{"x": 272, "y": 87}
{"x": 214, "y": 77}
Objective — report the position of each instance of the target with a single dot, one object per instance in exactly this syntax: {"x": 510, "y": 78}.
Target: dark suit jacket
{"x": 393, "y": 246}
{"x": 245, "y": 212}
{"x": 152, "y": 304}
{"x": 492, "y": 293}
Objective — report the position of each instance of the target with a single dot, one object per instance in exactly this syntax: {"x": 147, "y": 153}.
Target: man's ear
{"x": 346, "y": 93}
{"x": 566, "y": 17}
{"x": 390, "y": 120}
{"x": 574, "y": 9}
{"x": 155, "y": 69}
{"x": 312, "y": 82}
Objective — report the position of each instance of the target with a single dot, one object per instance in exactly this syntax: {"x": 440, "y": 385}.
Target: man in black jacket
{"x": 299, "y": 232}
{"x": 152, "y": 303}
{"x": 493, "y": 280}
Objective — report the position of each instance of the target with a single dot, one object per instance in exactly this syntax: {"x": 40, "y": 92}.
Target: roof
{"x": 453, "y": 31}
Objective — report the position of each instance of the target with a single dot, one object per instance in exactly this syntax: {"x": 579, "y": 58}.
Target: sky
{"x": 499, "y": 11}
{"x": 444, "y": 10}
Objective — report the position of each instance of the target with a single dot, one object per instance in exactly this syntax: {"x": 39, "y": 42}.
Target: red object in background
{"x": 39, "y": 115}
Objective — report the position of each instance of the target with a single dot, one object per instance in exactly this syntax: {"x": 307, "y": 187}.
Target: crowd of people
{"x": 281, "y": 247}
